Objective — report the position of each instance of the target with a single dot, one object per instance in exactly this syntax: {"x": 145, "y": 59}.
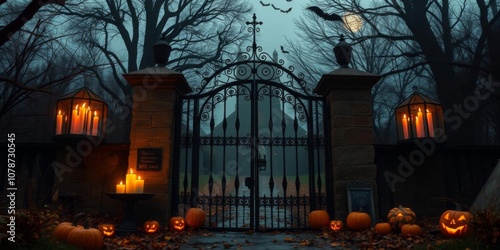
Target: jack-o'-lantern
{"x": 400, "y": 216}
{"x": 177, "y": 223}
{"x": 108, "y": 230}
{"x": 319, "y": 219}
{"x": 151, "y": 226}
{"x": 336, "y": 225}
{"x": 454, "y": 223}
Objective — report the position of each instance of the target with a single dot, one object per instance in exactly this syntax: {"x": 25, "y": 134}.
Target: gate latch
{"x": 249, "y": 182}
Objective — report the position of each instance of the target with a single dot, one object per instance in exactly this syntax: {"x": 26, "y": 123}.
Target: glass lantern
{"x": 79, "y": 114}
{"x": 419, "y": 117}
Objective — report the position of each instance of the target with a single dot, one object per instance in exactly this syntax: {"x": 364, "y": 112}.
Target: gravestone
{"x": 488, "y": 197}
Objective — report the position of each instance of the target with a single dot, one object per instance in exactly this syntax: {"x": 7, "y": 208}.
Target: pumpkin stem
{"x": 77, "y": 218}
{"x": 86, "y": 223}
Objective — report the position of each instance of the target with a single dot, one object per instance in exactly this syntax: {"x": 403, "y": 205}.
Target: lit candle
{"x": 419, "y": 124}
{"x": 405, "y": 127}
{"x": 120, "y": 188}
{"x": 59, "y": 123}
{"x": 139, "y": 185}
{"x": 75, "y": 121}
{"x": 82, "y": 119}
{"x": 130, "y": 182}
{"x": 95, "y": 125}
{"x": 430, "y": 123}
{"x": 89, "y": 119}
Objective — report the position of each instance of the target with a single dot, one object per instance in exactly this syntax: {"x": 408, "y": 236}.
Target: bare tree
{"x": 35, "y": 66}
{"x": 446, "y": 39}
{"x": 201, "y": 33}
{"x": 314, "y": 54}
{"x": 26, "y": 15}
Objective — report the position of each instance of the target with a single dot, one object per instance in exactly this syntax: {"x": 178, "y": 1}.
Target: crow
{"x": 284, "y": 51}
{"x": 264, "y": 4}
{"x": 322, "y": 14}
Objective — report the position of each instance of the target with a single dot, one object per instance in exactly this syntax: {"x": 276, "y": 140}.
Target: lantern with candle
{"x": 419, "y": 117}
{"x": 79, "y": 114}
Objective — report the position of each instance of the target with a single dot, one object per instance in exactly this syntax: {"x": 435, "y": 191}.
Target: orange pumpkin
{"x": 151, "y": 226}
{"x": 383, "y": 228}
{"x": 86, "y": 238}
{"x": 454, "y": 223}
{"x": 319, "y": 219}
{"x": 63, "y": 229}
{"x": 108, "y": 230}
{"x": 411, "y": 229}
{"x": 358, "y": 221}
{"x": 399, "y": 216}
{"x": 195, "y": 217}
{"x": 177, "y": 223}
{"x": 336, "y": 225}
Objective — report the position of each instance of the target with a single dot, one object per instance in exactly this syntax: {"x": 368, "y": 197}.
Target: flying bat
{"x": 264, "y": 4}
{"x": 286, "y": 11}
{"x": 276, "y": 8}
{"x": 322, "y": 14}
{"x": 284, "y": 51}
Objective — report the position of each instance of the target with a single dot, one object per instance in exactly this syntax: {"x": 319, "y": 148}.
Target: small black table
{"x": 129, "y": 224}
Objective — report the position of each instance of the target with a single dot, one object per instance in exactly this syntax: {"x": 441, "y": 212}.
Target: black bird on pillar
{"x": 322, "y": 14}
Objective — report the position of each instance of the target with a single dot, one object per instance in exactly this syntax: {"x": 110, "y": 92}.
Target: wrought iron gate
{"x": 252, "y": 146}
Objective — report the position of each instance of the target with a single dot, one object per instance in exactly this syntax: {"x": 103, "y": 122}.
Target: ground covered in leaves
{"x": 34, "y": 229}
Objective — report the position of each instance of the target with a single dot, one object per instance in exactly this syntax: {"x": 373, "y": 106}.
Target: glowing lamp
{"x": 419, "y": 117}
{"x": 80, "y": 114}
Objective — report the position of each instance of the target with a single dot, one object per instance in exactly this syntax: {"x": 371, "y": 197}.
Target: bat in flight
{"x": 264, "y": 4}
{"x": 322, "y": 14}
{"x": 284, "y": 51}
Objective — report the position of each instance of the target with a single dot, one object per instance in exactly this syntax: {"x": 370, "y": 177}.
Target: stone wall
{"x": 81, "y": 183}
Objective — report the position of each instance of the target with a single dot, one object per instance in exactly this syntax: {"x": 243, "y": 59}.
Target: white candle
{"x": 139, "y": 185}
{"x": 59, "y": 123}
{"x": 120, "y": 188}
{"x": 130, "y": 182}
{"x": 75, "y": 121}
{"x": 430, "y": 124}
{"x": 95, "y": 124}
{"x": 419, "y": 124}
{"x": 405, "y": 127}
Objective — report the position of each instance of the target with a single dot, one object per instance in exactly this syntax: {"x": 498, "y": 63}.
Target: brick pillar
{"x": 156, "y": 91}
{"x": 348, "y": 97}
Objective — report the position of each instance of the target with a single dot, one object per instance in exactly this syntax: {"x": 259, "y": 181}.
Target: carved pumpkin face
{"x": 108, "y": 230}
{"x": 336, "y": 225}
{"x": 151, "y": 226}
{"x": 177, "y": 223}
{"x": 454, "y": 223}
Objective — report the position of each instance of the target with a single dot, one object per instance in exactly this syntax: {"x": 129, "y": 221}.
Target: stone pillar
{"x": 156, "y": 92}
{"x": 348, "y": 97}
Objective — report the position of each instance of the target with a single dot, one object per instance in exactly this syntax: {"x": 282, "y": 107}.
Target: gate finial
{"x": 254, "y": 29}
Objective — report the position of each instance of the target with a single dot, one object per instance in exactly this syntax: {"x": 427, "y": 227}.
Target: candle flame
{"x": 95, "y": 113}
{"x": 139, "y": 177}
{"x": 59, "y": 112}
{"x": 76, "y": 107}
{"x": 131, "y": 171}
{"x": 121, "y": 182}
{"x": 83, "y": 106}
{"x": 404, "y": 116}
{"x": 419, "y": 110}
{"x": 427, "y": 110}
